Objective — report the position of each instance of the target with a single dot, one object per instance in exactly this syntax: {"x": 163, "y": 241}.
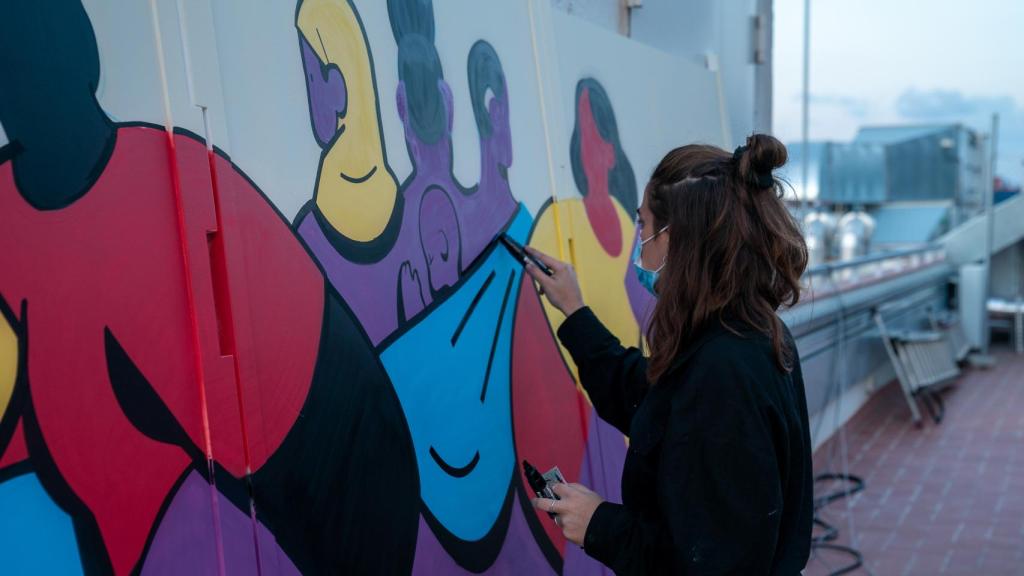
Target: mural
{"x": 193, "y": 382}
{"x": 423, "y": 243}
{"x": 141, "y": 361}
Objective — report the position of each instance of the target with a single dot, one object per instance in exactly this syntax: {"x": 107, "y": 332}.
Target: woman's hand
{"x": 561, "y": 288}
{"x": 574, "y": 510}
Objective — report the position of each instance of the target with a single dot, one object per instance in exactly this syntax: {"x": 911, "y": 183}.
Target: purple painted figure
{"x": 443, "y": 226}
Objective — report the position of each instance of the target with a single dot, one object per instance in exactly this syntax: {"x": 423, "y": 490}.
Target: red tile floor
{"x": 941, "y": 499}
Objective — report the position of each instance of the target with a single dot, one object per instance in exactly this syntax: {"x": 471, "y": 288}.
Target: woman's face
{"x": 655, "y": 251}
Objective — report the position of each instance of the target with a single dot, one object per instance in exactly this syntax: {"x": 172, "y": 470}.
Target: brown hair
{"x": 735, "y": 252}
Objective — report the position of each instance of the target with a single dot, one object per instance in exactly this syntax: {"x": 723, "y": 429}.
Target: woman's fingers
{"x": 563, "y": 490}
{"x": 549, "y": 505}
{"x": 561, "y": 288}
{"x": 541, "y": 278}
{"x": 553, "y": 263}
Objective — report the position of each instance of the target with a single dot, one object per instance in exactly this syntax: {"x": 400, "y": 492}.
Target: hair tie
{"x": 762, "y": 180}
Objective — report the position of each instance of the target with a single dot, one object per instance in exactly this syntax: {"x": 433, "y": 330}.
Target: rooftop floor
{"x": 945, "y": 498}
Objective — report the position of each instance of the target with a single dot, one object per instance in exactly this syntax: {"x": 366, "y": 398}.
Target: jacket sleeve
{"x": 615, "y": 377}
{"x": 719, "y": 489}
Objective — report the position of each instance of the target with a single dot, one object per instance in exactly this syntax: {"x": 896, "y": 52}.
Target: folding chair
{"x": 924, "y": 362}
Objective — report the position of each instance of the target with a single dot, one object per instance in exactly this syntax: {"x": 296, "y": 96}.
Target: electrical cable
{"x": 851, "y": 484}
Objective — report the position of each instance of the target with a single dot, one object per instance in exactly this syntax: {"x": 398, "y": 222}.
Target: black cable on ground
{"x": 826, "y": 540}
{"x": 853, "y": 484}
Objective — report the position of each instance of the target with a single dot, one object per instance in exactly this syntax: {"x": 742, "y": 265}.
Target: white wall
{"x": 692, "y": 29}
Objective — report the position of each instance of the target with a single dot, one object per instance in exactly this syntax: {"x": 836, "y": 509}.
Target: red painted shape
{"x": 16, "y": 450}
{"x": 598, "y": 158}
{"x": 549, "y": 425}
{"x": 277, "y": 306}
{"x": 112, "y": 260}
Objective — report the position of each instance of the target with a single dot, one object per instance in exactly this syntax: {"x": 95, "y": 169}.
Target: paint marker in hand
{"x": 520, "y": 254}
{"x": 541, "y": 485}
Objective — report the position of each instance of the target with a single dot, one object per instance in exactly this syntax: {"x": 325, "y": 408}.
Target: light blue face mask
{"x": 647, "y": 277}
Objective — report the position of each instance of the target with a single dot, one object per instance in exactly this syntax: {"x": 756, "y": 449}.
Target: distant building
{"x": 916, "y": 181}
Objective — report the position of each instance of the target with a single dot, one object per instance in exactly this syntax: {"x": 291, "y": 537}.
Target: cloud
{"x": 947, "y": 104}
{"x": 848, "y": 105}
{"x": 856, "y": 107}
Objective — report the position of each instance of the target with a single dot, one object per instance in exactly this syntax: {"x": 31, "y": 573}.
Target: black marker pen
{"x": 520, "y": 254}
{"x": 538, "y": 484}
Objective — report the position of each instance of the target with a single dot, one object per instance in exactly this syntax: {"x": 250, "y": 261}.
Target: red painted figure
{"x": 111, "y": 262}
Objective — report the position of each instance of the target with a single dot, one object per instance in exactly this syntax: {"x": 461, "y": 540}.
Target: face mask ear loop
{"x": 643, "y": 242}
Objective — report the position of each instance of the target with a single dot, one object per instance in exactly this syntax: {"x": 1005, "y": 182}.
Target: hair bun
{"x": 758, "y": 158}
{"x": 766, "y": 153}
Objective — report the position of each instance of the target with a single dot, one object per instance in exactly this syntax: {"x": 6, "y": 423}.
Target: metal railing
{"x": 847, "y": 274}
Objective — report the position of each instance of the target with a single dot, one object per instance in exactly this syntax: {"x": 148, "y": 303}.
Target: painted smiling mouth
{"x": 358, "y": 179}
{"x": 452, "y": 470}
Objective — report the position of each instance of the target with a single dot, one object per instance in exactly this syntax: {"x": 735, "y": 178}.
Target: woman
{"x": 717, "y": 479}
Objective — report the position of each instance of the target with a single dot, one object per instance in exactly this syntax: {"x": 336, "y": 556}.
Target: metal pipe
{"x": 989, "y": 188}
{"x": 763, "y": 72}
{"x": 806, "y": 103}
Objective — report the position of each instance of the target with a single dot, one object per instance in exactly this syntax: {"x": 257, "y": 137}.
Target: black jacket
{"x": 717, "y": 478}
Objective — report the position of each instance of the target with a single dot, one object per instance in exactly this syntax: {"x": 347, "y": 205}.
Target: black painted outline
{"x": 455, "y": 472}
{"x": 19, "y": 399}
{"x": 426, "y": 257}
{"x": 472, "y": 307}
{"x": 477, "y": 555}
{"x": 16, "y": 470}
{"x": 443, "y": 294}
{"x": 358, "y": 179}
{"x": 494, "y": 342}
{"x": 141, "y": 405}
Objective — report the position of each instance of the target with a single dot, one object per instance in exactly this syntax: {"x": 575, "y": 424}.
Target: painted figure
{"x": 438, "y": 227}
{"x": 188, "y": 384}
{"x": 450, "y": 365}
{"x": 356, "y": 191}
{"x": 168, "y": 367}
{"x": 545, "y": 393}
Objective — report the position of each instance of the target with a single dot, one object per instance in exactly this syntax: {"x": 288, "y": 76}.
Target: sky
{"x": 903, "y": 61}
